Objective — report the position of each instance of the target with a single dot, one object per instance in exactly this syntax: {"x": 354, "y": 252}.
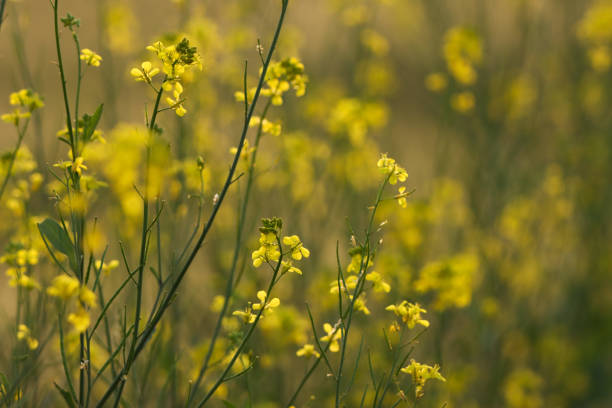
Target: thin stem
{"x": 63, "y": 79}
{"x": 9, "y": 169}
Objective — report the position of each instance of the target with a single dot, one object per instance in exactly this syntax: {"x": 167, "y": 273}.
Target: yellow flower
{"x": 388, "y": 166}
{"x": 307, "y": 350}
{"x": 26, "y": 98}
{"x": 436, "y": 82}
{"x": 87, "y": 297}
{"x": 262, "y": 296}
{"x": 176, "y": 103}
{"x": 146, "y": 73}
{"x": 410, "y": 313}
{"x": 350, "y": 281}
{"x": 23, "y": 333}
{"x": 107, "y": 268}
{"x": 20, "y": 278}
{"x": 297, "y": 249}
{"x": 401, "y": 197}
{"x": 379, "y": 284}
{"x": 463, "y": 102}
{"x": 64, "y": 287}
{"x": 90, "y": 57}
{"x": 78, "y": 166}
{"x": 79, "y": 320}
{"x": 287, "y": 266}
{"x": 268, "y": 251}
{"x": 333, "y": 336}
{"x": 248, "y": 316}
{"x": 360, "y": 304}
{"x": 421, "y": 373}
{"x": 15, "y": 116}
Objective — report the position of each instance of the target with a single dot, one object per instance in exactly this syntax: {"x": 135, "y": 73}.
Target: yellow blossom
{"x": 388, "y": 166}
{"x": 64, "y": 287}
{"x": 107, "y": 268}
{"x": 79, "y": 320}
{"x": 146, "y": 73}
{"x": 436, "y": 82}
{"x": 410, "y": 313}
{"x": 308, "y": 350}
{"x": 90, "y": 57}
{"x": 333, "y": 336}
{"x": 379, "y": 284}
{"x": 421, "y": 373}
{"x": 23, "y": 333}
{"x": 297, "y": 249}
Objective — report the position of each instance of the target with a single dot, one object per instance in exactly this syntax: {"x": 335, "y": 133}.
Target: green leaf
{"x": 66, "y": 395}
{"x": 228, "y": 404}
{"x": 56, "y": 235}
{"x": 91, "y": 122}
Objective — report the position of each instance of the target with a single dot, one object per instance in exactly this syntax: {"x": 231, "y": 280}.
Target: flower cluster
{"x": 595, "y": 30}
{"x": 270, "y": 249}
{"x": 463, "y": 52}
{"x": 396, "y": 173}
{"x": 280, "y": 78}
{"x": 24, "y": 333}
{"x": 24, "y": 98}
{"x": 176, "y": 59}
{"x": 65, "y": 288}
{"x": 410, "y": 313}
{"x": 20, "y": 260}
{"x": 421, "y": 373}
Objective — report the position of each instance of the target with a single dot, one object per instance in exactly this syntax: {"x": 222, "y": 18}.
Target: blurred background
{"x": 499, "y": 111}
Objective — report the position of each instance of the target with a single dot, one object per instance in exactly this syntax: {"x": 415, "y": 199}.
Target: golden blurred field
{"x": 499, "y": 112}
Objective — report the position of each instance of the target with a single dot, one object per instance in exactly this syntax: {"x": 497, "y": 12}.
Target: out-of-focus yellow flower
{"x": 379, "y": 284}
{"x": 462, "y": 49}
{"x": 451, "y": 279}
{"x": 410, "y": 313}
{"x": 64, "y": 287}
{"x": 90, "y": 57}
{"x": 80, "y": 320}
{"x": 308, "y": 350}
{"x": 436, "y": 82}
{"x": 87, "y": 297}
{"x": 421, "y": 373}
{"x": 463, "y": 102}
{"x": 600, "y": 58}
{"x": 333, "y": 337}
{"x": 23, "y": 333}
{"x": 522, "y": 389}
{"x": 360, "y": 304}
{"x": 107, "y": 268}
{"x": 375, "y": 42}
{"x": 24, "y": 98}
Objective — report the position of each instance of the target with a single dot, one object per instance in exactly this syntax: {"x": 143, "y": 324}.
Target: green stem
{"x": 9, "y": 169}
{"x": 63, "y": 79}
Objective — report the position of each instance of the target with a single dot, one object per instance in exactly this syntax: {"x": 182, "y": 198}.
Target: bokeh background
{"x": 499, "y": 110}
